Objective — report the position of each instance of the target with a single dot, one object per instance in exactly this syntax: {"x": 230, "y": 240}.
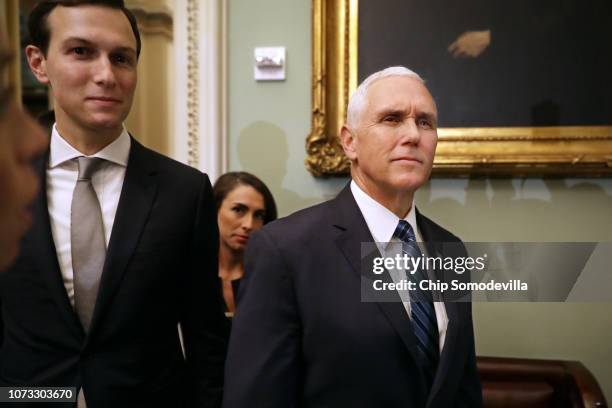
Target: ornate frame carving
{"x": 493, "y": 151}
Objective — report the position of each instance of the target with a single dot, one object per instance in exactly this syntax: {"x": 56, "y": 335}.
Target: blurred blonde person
{"x": 21, "y": 140}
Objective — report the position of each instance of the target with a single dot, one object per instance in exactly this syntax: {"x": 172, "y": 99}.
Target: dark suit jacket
{"x": 160, "y": 270}
{"x": 302, "y": 337}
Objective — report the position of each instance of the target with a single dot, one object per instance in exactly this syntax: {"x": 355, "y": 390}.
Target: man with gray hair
{"x": 303, "y": 335}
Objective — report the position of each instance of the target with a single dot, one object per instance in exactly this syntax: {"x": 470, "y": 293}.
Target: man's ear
{"x": 347, "y": 139}
{"x": 37, "y": 63}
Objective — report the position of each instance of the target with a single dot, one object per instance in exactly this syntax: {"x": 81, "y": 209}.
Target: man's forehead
{"x": 398, "y": 93}
{"x": 91, "y": 22}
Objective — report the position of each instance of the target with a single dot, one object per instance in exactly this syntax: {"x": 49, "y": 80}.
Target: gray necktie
{"x": 87, "y": 241}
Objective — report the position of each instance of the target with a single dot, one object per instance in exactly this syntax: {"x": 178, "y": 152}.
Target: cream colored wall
{"x": 151, "y": 117}
{"x": 267, "y": 126}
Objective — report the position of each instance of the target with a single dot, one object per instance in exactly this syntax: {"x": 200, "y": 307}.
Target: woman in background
{"x": 244, "y": 204}
{"x": 21, "y": 140}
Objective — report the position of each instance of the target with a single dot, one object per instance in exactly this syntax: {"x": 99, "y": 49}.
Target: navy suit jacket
{"x": 302, "y": 337}
{"x": 160, "y": 270}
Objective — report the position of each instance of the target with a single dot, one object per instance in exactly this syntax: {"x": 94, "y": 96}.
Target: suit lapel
{"x": 44, "y": 251}
{"x": 452, "y": 330}
{"x": 137, "y": 196}
{"x": 448, "y": 352}
{"x": 354, "y": 230}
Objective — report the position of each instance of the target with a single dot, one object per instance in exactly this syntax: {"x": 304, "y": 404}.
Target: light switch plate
{"x": 269, "y": 63}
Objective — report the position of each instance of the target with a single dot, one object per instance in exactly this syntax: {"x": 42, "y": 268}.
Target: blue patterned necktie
{"x": 423, "y": 314}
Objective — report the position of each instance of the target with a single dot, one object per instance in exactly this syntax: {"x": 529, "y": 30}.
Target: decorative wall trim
{"x": 224, "y": 99}
{"x": 200, "y": 111}
{"x": 193, "y": 84}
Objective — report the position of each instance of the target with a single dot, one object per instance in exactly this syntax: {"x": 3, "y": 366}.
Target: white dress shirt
{"x": 62, "y": 173}
{"x": 382, "y": 224}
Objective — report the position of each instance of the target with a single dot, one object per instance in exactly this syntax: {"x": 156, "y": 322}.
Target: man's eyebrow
{"x": 122, "y": 48}
{"x": 432, "y": 117}
{"x": 391, "y": 112}
{"x": 77, "y": 39}
{"x": 125, "y": 49}
{"x": 402, "y": 112}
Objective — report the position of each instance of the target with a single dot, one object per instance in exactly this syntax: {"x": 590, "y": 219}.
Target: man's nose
{"x": 410, "y": 132}
{"x": 104, "y": 74}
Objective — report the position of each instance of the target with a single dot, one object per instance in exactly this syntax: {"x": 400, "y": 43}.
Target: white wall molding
{"x": 199, "y": 85}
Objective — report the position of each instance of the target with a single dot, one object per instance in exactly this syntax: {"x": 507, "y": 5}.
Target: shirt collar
{"x": 381, "y": 221}
{"x": 61, "y": 151}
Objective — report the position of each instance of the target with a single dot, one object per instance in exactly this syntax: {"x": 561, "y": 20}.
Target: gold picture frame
{"x": 491, "y": 151}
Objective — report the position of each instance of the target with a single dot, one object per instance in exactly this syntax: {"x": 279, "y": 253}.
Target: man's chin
{"x": 105, "y": 122}
{"x": 410, "y": 183}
